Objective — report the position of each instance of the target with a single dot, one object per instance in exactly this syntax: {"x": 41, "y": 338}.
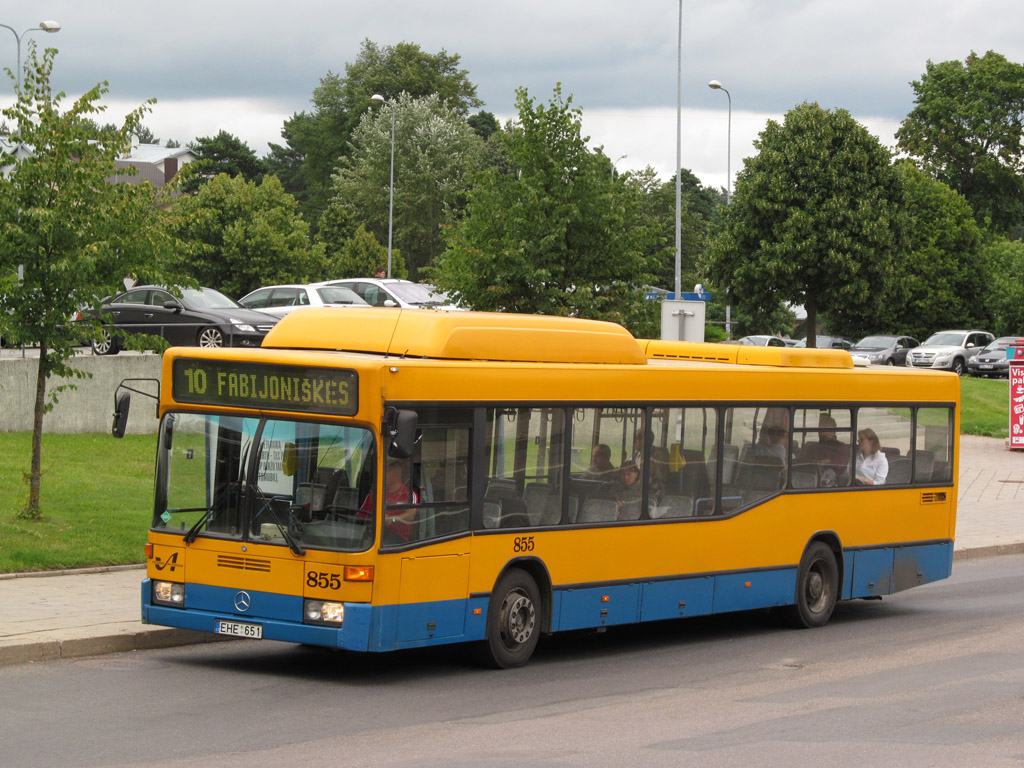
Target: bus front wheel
{"x": 817, "y": 587}
{"x": 513, "y": 621}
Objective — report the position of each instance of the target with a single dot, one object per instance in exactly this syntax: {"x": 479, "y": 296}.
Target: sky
{"x": 245, "y": 67}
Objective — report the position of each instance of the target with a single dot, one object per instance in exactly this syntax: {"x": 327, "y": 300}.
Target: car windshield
{"x": 339, "y": 294}
{"x": 418, "y": 293}
{"x": 874, "y": 342}
{"x": 290, "y": 483}
{"x": 206, "y": 298}
{"x": 998, "y": 345}
{"x": 946, "y": 339}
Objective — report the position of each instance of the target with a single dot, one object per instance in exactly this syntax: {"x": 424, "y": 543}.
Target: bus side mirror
{"x": 401, "y": 432}
{"x": 122, "y": 403}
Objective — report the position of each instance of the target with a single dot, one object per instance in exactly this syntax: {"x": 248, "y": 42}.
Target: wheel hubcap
{"x": 519, "y": 619}
{"x": 817, "y": 590}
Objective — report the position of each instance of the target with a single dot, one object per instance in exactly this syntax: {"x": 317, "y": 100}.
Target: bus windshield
{"x": 293, "y": 483}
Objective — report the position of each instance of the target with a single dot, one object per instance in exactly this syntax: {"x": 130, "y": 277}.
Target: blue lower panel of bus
{"x": 867, "y": 573}
{"x": 876, "y": 572}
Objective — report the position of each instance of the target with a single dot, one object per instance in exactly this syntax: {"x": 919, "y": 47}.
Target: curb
{"x": 71, "y": 571}
{"x": 994, "y": 550}
{"x": 132, "y": 639}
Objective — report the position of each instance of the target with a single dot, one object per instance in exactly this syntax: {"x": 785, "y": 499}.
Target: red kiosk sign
{"x": 1015, "y": 354}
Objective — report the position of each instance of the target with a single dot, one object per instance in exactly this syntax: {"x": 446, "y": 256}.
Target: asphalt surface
{"x": 67, "y": 614}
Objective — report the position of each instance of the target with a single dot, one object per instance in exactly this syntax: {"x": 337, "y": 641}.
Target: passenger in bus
{"x": 396, "y": 491}
{"x": 774, "y": 436}
{"x": 872, "y": 465}
{"x": 601, "y": 467}
{"x": 772, "y": 442}
{"x": 628, "y": 490}
{"x": 831, "y": 455}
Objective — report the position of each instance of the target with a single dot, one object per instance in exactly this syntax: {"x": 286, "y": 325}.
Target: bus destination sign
{"x": 260, "y": 385}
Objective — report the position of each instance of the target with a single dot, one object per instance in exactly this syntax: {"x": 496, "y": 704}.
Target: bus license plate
{"x": 253, "y": 631}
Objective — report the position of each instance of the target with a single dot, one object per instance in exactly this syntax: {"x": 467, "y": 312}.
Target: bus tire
{"x": 513, "y": 621}
{"x": 817, "y": 588}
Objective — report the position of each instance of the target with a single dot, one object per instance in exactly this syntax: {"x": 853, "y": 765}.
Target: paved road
{"x": 929, "y": 677}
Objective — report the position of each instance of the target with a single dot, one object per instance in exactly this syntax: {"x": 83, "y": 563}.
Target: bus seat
{"x": 630, "y": 510}
{"x": 693, "y": 475}
{"x": 312, "y": 494}
{"x": 704, "y": 507}
{"x": 492, "y": 514}
{"x": 598, "y": 511}
{"x": 345, "y": 498}
{"x": 890, "y": 451}
{"x": 536, "y": 496}
{"x": 899, "y": 471}
{"x": 574, "y": 508}
{"x": 804, "y": 476}
{"x": 500, "y": 488}
{"x": 513, "y": 514}
{"x": 673, "y": 506}
{"x": 730, "y": 455}
{"x": 924, "y": 465}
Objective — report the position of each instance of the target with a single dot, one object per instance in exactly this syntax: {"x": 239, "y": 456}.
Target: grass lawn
{"x": 97, "y": 492}
{"x": 96, "y": 499}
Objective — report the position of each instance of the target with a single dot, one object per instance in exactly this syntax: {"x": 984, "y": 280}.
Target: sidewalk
{"x": 96, "y": 611}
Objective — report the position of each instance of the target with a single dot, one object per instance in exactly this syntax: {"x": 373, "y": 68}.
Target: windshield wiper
{"x": 197, "y": 526}
{"x": 267, "y": 505}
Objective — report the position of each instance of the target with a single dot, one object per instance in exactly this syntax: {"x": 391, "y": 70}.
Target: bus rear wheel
{"x": 513, "y": 621}
{"x": 817, "y": 588}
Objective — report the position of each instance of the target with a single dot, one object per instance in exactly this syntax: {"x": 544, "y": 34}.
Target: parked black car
{"x": 992, "y": 360}
{"x": 201, "y": 317}
{"x": 885, "y": 350}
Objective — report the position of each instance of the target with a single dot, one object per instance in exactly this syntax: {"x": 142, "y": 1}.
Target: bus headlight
{"x": 324, "y": 612}
{"x": 169, "y": 593}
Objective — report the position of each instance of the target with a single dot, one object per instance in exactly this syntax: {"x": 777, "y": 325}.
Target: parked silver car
{"x": 949, "y": 350}
{"x": 279, "y": 300}
{"x": 885, "y": 350}
{"x": 992, "y": 360}
{"x": 396, "y": 293}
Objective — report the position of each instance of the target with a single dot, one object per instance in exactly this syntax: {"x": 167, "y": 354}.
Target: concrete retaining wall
{"x": 90, "y": 407}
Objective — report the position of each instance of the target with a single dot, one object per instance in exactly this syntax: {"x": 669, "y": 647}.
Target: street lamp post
{"x": 679, "y": 157}
{"x": 620, "y": 157}
{"x": 46, "y": 26}
{"x": 717, "y": 86}
{"x": 377, "y": 98}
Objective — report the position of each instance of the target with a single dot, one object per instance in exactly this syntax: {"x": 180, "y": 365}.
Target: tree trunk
{"x": 32, "y": 511}
{"x": 811, "y": 305}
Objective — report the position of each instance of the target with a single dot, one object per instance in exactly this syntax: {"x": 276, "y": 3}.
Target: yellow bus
{"x": 378, "y": 479}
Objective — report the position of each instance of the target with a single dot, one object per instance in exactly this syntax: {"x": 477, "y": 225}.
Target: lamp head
{"x": 715, "y": 85}
{"x": 50, "y": 26}
{"x": 378, "y": 99}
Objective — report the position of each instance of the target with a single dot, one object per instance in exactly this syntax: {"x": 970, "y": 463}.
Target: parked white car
{"x": 396, "y": 293}
{"x": 949, "y": 350}
{"x": 279, "y": 300}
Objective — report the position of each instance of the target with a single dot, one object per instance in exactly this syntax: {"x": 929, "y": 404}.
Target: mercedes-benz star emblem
{"x": 242, "y": 602}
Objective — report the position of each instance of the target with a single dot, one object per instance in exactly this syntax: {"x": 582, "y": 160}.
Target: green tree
{"x": 815, "y": 220}
{"x": 556, "y": 235}
{"x": 72, "y": 235}
{"x": 360, "y": 255}
{"x": 239, "y": 235}
{"x": 315, "y": 141}
{"x": 434, "y": 148}
{"x": 939, "y": 280}
{"x": 1005, "y": 291}
{"x": 967, "y": 130}
{"x": 223, "y": 153}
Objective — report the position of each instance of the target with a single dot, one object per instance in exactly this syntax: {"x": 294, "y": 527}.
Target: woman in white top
{"x": 872, "y": 466}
